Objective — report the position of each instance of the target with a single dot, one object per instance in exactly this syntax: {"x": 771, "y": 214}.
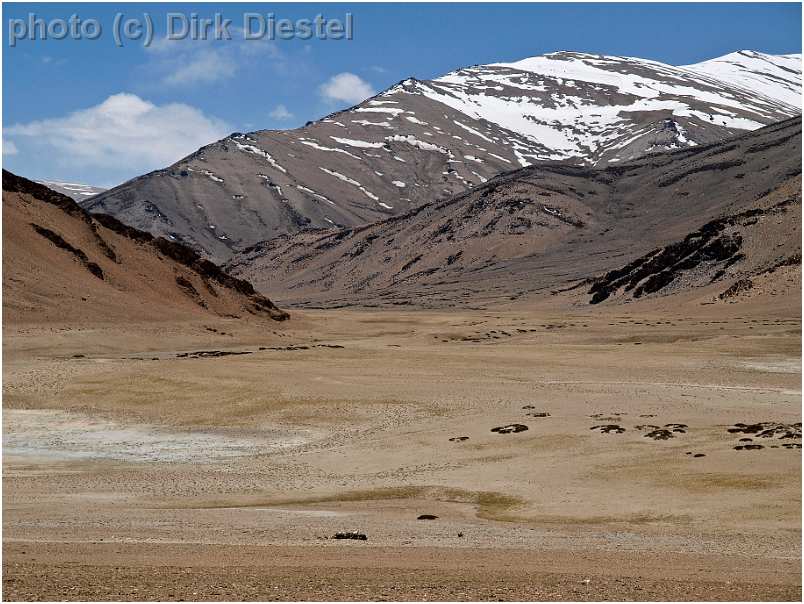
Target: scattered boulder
{"x": 748, "y": 447}
{"x": 203, "y": 354}
{"x": 510, "y": 428}
{"x": 351, "y": 535}
{"x": 611, "y": 417}
{"x": 427, "y": 517}
{"x": 609, "y": 429}
{"x": 660, "y": 434}
{"x": 738, "y": 287}
{"x": 768, "y": 429}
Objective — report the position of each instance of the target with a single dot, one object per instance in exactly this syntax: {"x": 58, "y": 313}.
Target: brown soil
{"x": 211, "y": 476}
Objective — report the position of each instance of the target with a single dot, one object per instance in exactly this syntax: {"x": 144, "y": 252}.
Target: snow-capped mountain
{"x": 776, "y": 76}
{"x": 599, "y": 109}
{"x": 74, "y": 190}
{"x": 420, "y": 141}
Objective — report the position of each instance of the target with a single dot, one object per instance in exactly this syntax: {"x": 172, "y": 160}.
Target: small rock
{"x": 510, "y": 428}
{"x": 351, "y": 535}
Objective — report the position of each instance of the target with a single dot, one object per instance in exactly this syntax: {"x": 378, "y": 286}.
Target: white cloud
{"x": 281, "y": 112}
{"x": 346, "y": 87}
{"x": 188, "y": 61}
{"x": 262, "y": 47}
{"x": 9, "y": 148}
{"x": 124, "y": 132}
{"x": 205, "y": 67}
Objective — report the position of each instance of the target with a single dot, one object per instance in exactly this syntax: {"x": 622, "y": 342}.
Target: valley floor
{"x": 145, "y": 462}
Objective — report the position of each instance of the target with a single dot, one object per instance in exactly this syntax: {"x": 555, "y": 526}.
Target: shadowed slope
{"x": 549, "y": 227}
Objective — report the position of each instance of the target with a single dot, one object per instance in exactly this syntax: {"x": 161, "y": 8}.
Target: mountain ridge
{"x": 421, "y": 140}
{"x": 555, "y": 227}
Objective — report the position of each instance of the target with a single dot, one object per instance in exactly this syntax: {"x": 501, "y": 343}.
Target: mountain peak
{"x": 425, "y": 140}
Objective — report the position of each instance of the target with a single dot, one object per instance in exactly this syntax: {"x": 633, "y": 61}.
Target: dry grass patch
{"x": 490, "y": 505}
{"x": 722, "y": 480}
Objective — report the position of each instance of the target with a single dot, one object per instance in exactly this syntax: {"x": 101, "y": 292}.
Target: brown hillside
{"x": 61, "y": 265}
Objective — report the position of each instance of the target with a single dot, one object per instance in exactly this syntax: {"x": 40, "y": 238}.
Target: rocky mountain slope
{"x": 711, "y": 215}
{"x": 62, "y": 265}
{"x": 421, "y": 141}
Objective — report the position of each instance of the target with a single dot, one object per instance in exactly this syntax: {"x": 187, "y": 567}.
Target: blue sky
{"x": 89, "y": 111}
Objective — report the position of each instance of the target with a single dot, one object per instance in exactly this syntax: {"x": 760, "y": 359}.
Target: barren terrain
{"x": 719, "y": 213}
{"x": 566, "y": 384}
{"x": 142, "y": 461}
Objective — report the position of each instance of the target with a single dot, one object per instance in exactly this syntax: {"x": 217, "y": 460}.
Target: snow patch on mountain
{"x": 577, "y": 104}
{"x": 261, "y": 153}
{"x": 775, "y": 76}
{"x": 74, "y": 190}
{"x": 351, "y": 181}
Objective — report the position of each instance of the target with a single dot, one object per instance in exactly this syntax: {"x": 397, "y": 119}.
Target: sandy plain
{"x": 136, "y": 468}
